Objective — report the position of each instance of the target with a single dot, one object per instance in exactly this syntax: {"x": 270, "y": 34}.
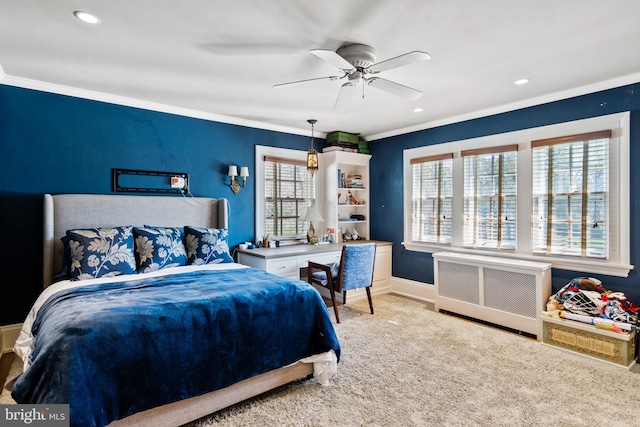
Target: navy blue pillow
{"x": 207, "y": 245}
{"x": 159, "y": 247}
{"x": 100, "y": 252}
{"x": 65, "y": 272}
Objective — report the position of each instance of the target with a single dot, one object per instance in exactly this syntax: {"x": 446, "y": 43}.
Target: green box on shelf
{"x": 342, "y": 137}
{"x": 363, "y": 146}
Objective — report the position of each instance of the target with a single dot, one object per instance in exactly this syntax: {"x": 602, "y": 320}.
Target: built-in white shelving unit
{"x": 341, "y": 189}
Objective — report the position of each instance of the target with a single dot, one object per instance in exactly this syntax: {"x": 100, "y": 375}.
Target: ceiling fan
{"x": 357, "y": 64}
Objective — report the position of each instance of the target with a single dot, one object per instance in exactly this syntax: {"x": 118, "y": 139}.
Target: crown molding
{"x": 137, "y": 103}
{"x": 557, "y": 96}
{"x": 154, "y": 106}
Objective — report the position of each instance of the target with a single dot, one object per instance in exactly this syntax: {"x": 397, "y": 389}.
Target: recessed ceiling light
{"x": 417, "y": 110}
{"x": 86, "y": 17}
{"x": 521, "y": 81}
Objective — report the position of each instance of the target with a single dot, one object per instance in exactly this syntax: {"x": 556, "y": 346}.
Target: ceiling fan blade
{"x": 399, "y": 61}
{"x": 334, "y": 58}
{"x": 394, "y": 88}
{"x": 345, "y": 96}
{"x": 308, "y": 80}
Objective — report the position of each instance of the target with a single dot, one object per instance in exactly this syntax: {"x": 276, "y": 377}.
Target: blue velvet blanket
{"x": 111, "y": 350}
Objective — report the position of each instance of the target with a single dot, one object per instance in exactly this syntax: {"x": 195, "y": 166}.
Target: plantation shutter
{"x": 432, "y": 198}
{"x": 288, "y": 190}
{"x": 571, "y": 195}
{"x": 490, "y": 190}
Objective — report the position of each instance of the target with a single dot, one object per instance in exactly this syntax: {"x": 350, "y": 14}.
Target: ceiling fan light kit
{"x": 357, "y": 61}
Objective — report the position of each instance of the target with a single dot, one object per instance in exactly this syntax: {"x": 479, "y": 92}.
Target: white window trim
{"x": 618, "y": 263}
{"x": 261, "y": 151}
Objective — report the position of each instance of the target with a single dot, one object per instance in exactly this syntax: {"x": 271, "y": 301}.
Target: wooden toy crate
{"x": 615, "y": 347}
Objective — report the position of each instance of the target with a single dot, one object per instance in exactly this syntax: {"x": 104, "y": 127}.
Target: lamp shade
{"x": 233, "y": 171}
{"x": 312, "y": 214}
{"x": 244, "y": 171}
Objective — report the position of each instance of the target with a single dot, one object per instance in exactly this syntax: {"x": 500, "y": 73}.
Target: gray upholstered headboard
{"x": 64, "y": 212}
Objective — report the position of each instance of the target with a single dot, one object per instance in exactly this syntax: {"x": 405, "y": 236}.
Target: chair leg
{"x": 368, "y": 288}
{"x": 344, "y": 297}
{"x": 333, "y": 300}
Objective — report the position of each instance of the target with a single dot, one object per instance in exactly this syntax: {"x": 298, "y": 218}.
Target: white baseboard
{"x": 412, "y": 289}
{"x": 9, "y": 335}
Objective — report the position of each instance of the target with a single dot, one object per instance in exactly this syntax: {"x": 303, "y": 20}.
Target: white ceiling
{"x": 219, "y": 59}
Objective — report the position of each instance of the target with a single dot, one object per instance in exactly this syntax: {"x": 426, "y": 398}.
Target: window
{"x": 432, "y": 193}
{"x": 490, "y": 197}
{"x": 571, "y": 195}
{"x": 285, "y": 189}
{"x": 557, "y": 194}
{"x": 285, "y": 196}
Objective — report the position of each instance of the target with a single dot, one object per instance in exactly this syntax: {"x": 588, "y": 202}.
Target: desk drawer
{"x": 284, "y": 267}
{"x": 327, "y": 258}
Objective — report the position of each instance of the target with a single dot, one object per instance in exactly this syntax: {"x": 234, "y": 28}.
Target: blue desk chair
{"x": 354, "y": 271}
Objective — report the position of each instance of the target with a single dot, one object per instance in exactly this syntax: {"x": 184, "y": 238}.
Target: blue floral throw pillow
{"x": 100, "y": 252}
{"x": 159, "y": 247}
{"x": 206, "y": 245}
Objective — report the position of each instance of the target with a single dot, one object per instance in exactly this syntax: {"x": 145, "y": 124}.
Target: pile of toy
{"x": 585, "y": 299}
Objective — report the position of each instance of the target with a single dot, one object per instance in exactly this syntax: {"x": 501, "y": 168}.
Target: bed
{"x": 173, "y": 335}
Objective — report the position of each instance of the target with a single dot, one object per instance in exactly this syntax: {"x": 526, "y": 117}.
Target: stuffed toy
{"x": 554, "y": 307}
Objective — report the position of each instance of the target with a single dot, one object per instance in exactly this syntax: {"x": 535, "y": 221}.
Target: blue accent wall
{"x": 386, "y": 207}
{"x": 59, "y": 144}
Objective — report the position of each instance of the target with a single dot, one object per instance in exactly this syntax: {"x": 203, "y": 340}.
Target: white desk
{"x": 288, "y": 261}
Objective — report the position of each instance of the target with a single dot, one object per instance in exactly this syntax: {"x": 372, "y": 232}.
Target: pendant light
{"x": 312, "y": 155}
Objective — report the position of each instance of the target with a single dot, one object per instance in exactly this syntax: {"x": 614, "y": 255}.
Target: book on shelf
{"x": 354, "y": 181}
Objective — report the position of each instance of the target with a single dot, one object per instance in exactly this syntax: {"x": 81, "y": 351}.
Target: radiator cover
{"x": 506, "y": 292}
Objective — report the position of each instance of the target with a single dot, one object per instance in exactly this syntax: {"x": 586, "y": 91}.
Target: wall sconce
{"x": 312, "y": 155}
{"x": 233, "y": 173}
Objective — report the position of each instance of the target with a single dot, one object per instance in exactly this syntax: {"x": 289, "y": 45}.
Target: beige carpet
{"x": 409, "y": 366}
